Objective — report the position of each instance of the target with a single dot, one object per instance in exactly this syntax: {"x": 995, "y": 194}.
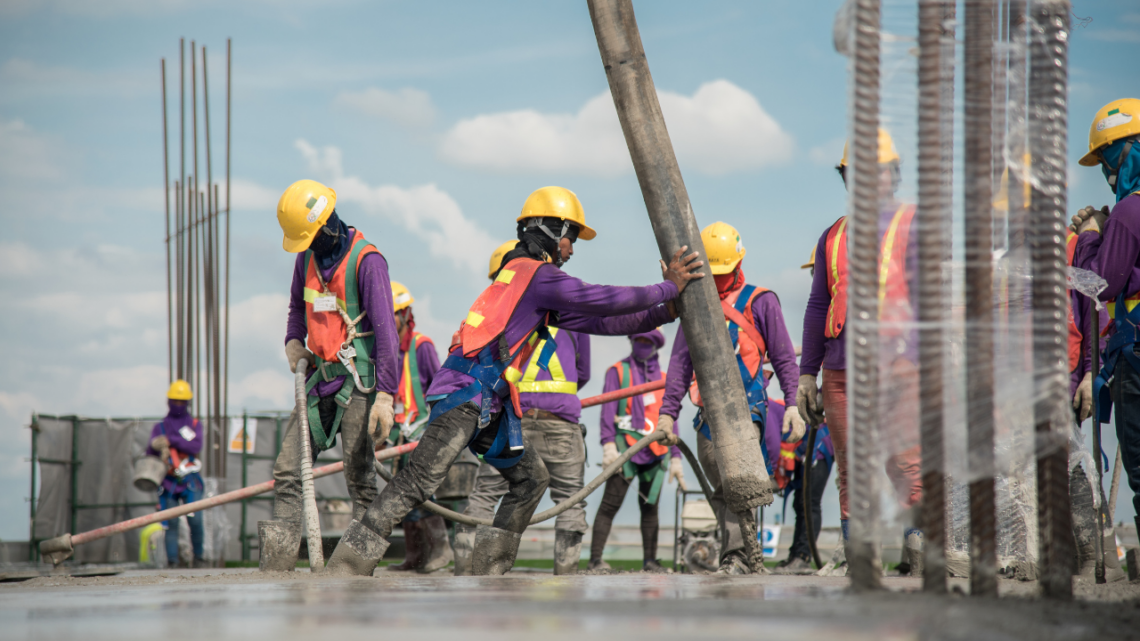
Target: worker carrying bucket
{"x": 176, "y": 440}
{"x": 341, "y": 303}
{"x": 756, "y": 327}
{"x": 474, "y": 398}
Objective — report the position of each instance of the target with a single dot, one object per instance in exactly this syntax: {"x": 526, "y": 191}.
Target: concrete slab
{"x": 212, "y": 605}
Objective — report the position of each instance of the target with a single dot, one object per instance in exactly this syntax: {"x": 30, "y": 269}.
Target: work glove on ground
{"x": 1083, "y": 399}
{"x": 295, "y": 351}
{"x": 809, "y": 400}
{"x": 794, "y": 426}
{"x": 381, "y": 417}
{"x": 609, "y": 454}
{"x": 1089, "y": 219}
{"x": 677, "y": 471}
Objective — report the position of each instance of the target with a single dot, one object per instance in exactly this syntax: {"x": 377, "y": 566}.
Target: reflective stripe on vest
{"x": 651, "y": 410}
{"x": 488, "y": 316}
{"x": 835, "y": 262}
{"x": 744, "y": 342}
{"x": 1076, "y": 336}
{"x": 526, "y": 380}
{"x": 406, "y": 393}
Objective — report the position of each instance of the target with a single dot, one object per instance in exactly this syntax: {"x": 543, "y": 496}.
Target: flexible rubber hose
{"x": 308, "y": 495}
{"x": 577, "y": 497}
{"x": 809, "y": 529}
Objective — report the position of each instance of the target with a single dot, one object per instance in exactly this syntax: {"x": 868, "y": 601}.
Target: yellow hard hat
{"x": 302, "y": 210}
{"x": 1118, "y": 119}
{"x": 557, "y": 202}
{"x": 179, "y": 391}
{"x": 811, "y": 261}
{"x": 401, "y": 297}
{"x": 723, "y": 247}
{"x": 497, "y": 257}
{"x": 887, "y": 151}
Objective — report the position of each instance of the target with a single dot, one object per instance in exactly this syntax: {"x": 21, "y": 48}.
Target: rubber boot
{"x": 414, "y": 548}
{"x": 913, "y": 551}
{"x": 358, "y": 552}
{"x": 567, "y": 551}
{"x": 279, "y": 545}
{"x": 1112, "y": 570}
{"x": 464, "y": 544}
{"x": 495, "y": 551}
{"x": 1084, "y": 521}
{"x": 433, "y": 532}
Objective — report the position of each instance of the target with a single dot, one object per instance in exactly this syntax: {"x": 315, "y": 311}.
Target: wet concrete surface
{"x": 211, "y": 605}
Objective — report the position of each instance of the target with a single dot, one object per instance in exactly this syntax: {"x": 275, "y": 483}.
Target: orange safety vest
{"x": 785, "y": 464}
{"x": 406, "y": 396}
{"x": 894, "y": 292}
{"x": 750, "y": 343}
{"x": 1076, "y": 336}
{"x": 327, "y": 330}
{"x": 651, "y": 401}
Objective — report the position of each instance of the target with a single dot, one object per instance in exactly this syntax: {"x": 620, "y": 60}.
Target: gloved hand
{"x": 381, "y": 417}
{"x": 809, "y": 400}
{"x": 665, "y": 423}
{"x": 677, "y": 471}
{"x": 794, "y": 427}
{"x": 609, "y": 453}
{"x": 1083, "y": 400}
{"x": 160, "y": 443}
{"x": 1089, "y": 219}
{"x": 295, "y": 351}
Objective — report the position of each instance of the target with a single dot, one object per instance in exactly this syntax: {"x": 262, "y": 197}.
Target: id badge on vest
{"x": 324, "y": 303}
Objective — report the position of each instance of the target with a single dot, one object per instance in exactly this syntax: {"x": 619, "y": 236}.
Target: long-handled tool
{"x": 809, "y": 521}
{"x": 1094, "y": 348}
{"x": 308, "y": 494}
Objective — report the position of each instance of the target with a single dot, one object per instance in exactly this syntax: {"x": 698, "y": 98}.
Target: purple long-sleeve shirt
{"x": 176, "y": 431}
{"x": 639, "y": 373}
{"x": 769, "y": 320}
{"x": 831, "y": 353}
{"x": 428, "y": 362}
{"x": 376, "y": 299}
{"x": 1080, "y": 304}
{"x": 573, "y": 354}
{"x": 602, "y": 310}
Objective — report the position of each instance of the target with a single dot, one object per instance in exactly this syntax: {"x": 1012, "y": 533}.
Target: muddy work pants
{"x": 427, "y": 467}
{"x": 731, "y": 540}
{"x": 359, "y": 457}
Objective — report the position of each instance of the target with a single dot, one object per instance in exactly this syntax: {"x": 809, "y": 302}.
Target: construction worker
{"x": 550, "y": 408}
{"x": 177, "y": 440}
{"x": 823, "y": 343}
{"x": 1114, "y": 145}
{"x": 426, "y": 546}
{"x": 341, "y": 302}
{"x": 623, "y": 423}
{"x": 475, "y": 402}
{"x": 756, "y": 325}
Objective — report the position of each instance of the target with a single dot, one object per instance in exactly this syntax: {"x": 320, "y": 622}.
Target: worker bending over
{"x": 177, "y": 440}
{"x": 474, "y": 401}
{"x": 624, "y": 422}
{"x": 756, "y": 326}
{"x": 341, "y": 302}
{"x": 548, "y": 398}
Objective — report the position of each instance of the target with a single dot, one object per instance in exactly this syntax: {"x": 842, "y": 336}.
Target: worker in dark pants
{"x": 799, "y": 555}
{"x": 177, "y": 440}
{"x": 474, "y": 402}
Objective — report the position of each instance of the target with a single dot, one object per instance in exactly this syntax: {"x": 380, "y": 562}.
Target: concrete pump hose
{"x": 308, "y": 495}
{"x": 610, "y": 470}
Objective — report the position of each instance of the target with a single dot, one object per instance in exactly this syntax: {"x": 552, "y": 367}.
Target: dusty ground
{"x": 212, "y": 605}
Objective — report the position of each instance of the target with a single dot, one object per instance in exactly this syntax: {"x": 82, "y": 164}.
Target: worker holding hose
{"x": 551, "y": 410}
{"x": 824, "y": 346}
{"x": 474, "y": 398}
{"x": 1114, "y": 146}
{"x": 177, "y": 440}
{"x": 623, "y": 423}
{"x": 756, "y": 326}
{"x": 341, "y": 303}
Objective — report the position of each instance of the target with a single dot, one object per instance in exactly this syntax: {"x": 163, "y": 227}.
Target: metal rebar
{"x": 862, "y": 327}
{"x": 180, "y": 212}
{"x": 219, "y": 417}
{"x": 226, "y": 349}
{"x": 1092, "y": 332}
{"x": 166, "y": 219}
{"x": 1048, "y": 125}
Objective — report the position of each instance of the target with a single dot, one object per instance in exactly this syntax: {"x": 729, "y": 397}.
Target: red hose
{"x": 623, "y": 393}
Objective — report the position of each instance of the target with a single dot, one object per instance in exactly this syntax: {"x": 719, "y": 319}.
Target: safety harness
{"x": 627, "y": 436}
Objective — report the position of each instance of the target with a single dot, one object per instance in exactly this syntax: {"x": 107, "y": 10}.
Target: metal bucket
{"x": 149, "y": 472}
{"x": 460, "y": 480}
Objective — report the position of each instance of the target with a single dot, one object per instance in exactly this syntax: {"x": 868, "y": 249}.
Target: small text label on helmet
{"x": 1115, "y": 120}
{"x": 317, "y": 209}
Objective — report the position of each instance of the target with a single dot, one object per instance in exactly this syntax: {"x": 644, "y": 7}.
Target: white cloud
{"x": 426, "y": 211}
{"x": 123, "y": 390}
{"x": 719, "y": 129}
{"x": 19, "y": 405}
{"x": 264, "y": 388}
{"x": 27, "y": 154}
{"x": 407, "y": 106}
{"x": 248, "y": 195}
{"x": 259, "y": 322}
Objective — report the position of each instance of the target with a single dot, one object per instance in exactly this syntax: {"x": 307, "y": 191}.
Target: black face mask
{"x": 331, "y": 243}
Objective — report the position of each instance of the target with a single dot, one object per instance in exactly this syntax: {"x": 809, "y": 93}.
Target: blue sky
{"x": 433, "y": 121}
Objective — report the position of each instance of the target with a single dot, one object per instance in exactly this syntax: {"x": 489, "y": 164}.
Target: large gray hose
{"x": 609, "y": 471}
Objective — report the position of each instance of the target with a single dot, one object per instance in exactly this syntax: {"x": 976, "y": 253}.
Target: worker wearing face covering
{"x": 756, "y": 326}
{"x": 177, "y": 440}
{"x": 623, "y": 423}
{"x": 340, "y": 304}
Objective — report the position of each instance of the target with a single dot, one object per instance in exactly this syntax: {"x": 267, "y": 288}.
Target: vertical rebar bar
{"x": 226, "y": 351}
{"x": 979, "y": 240}
{"x": 219, "y": 417}
{"x": 931, "y": 214}
{"x": 181, "y": 213}
{"x": 195, "y": 308}
{"x": 1048, "y": 128}
{"x": 862, "y": 327}
{"x": 166, "y": 201}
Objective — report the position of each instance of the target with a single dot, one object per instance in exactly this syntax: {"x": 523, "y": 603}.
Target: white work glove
{"x": 609, "y": 453}
{"x": 160, "y": 443}
{"x": 1089, "y": 219}
{"x": 794, "y": 426}
{"x": 665, "y": 423}
{"x": 1083, "y": 399}
{"x": 295, "y": 351}
{"x": 809, "y": 400}
{"x": 677, "y": 471}
{"x": 381, "y": 417}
